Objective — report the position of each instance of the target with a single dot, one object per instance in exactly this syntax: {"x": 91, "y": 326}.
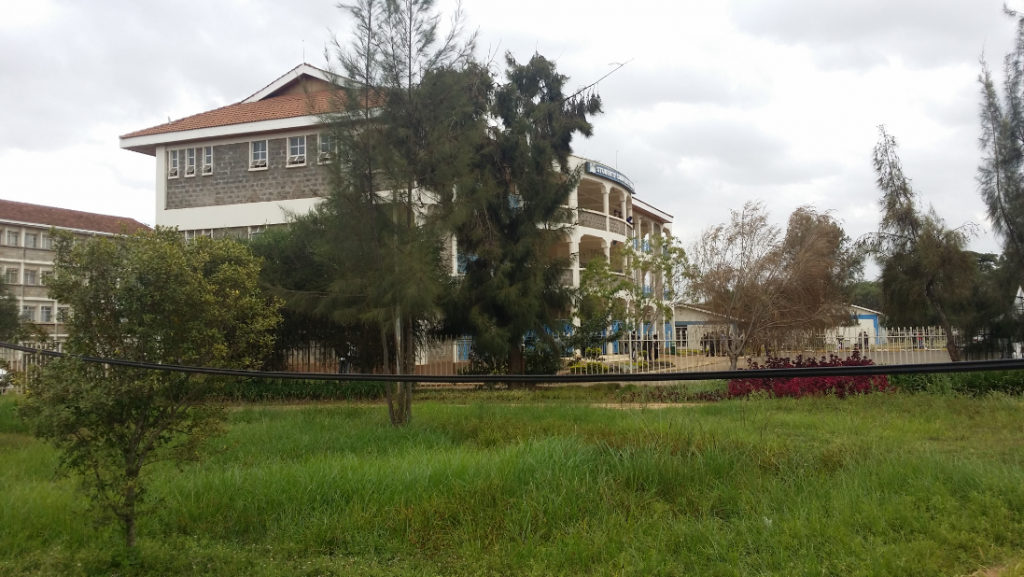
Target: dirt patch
{"x": 626, "y": 406}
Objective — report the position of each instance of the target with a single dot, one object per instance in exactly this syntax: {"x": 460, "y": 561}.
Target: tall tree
{"x": 407, "y": 98}
{"x": 1001, "y": 173}
{"x": 156, "y": 298}
{"x": 511, "y": 212}
{"x": 924, "y": 264}
{"x": 10, "y": 316}
{"x": 766, "y": 286}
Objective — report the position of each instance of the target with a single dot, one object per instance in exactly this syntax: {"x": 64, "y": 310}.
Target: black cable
{"x": 961, "y": 367}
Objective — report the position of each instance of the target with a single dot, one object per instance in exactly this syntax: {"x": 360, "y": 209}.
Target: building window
{"x": 12, "y": 238}
{"x": 28, "y": 313}
{"x": 258, "y": 155}
{"x": 47, "y": 242}
{"x": 172, "y": 164}
{"x": 45, "y": 276}
{"x": 190, "y": 162}
{"x": 30, "y": 277}
{"x": 31, "y": 240}
{"x": 12, "y": 276}
{"x": 297, "y": 151}
{"x": 328, "y": 147}
{"x": 62, "y": 314}
{"x": 207, "y": 160}
{"x": 46, "y": 314}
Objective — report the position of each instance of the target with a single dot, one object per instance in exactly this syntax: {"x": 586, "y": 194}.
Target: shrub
{"x": 801, "y": 386}
{"x": 976, "y": 384}
{"x": 588, "y": 368}
{"x": 254, "y": 390}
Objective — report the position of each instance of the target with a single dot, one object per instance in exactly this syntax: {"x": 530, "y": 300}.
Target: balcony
{"x": 591, "y": 219}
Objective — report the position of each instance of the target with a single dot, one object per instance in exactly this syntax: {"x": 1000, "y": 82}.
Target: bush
{"x": 254, "y": 390}
{"x": 975, "y": 384}
{"x": 801, "y": 386}
{"x": 588, "y": 368}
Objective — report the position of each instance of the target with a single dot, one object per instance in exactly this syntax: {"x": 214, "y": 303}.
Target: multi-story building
{"x": 26, "y": 254}
{"x": 245, "y": 166}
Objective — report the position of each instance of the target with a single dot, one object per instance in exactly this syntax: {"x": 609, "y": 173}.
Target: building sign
{"x": 611, "y": 174}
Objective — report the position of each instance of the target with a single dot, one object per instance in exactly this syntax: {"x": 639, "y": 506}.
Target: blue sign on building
{"x": 611, "y": 174}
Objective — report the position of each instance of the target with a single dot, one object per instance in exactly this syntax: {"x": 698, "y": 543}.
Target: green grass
{"x": 490, "y": 485}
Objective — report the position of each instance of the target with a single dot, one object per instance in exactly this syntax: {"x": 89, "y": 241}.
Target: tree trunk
{"x": 129, "y": 510}
{"x": 516, "y": 360}
{"x": 954, "y": 353}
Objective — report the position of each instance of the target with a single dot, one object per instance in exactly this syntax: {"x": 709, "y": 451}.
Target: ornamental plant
{"x": 797, "y": 387}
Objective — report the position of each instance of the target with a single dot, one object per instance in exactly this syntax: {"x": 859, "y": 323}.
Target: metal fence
{"x": 694, "y": 351}
{"x": 697, "y": 351}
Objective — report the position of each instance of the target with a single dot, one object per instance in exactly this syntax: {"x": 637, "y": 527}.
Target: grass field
{"x": 499, "y": 484}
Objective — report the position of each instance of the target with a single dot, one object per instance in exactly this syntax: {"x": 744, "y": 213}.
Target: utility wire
{"x": 864, "y": 370}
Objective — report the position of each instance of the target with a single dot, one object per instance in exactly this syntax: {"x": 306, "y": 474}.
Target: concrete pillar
{"x": 607, "y": 246}
{"x": 623, "y": 210}
{"x": 574, "y": 249}
{"x": 604, "y": 197}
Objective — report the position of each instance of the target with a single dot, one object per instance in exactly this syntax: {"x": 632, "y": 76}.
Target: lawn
{"x": 503, "y": 484}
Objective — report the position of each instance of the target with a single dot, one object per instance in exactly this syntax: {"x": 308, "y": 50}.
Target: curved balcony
{"x": 600, "y": 221}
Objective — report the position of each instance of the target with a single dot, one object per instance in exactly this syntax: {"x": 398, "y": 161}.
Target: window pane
{"x": 31, "y": 240}
{"x": 46, "y": 314}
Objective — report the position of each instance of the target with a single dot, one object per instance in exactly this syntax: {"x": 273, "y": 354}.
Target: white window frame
{"x": 46, "y": 314}
{"x": 296, "y": 151}
{"x": 207, "y": 160}
{"x": 43, "y": 275}
{"x": 46, "y": 242}
{"x": 259, "y": 163}
{"x": 16, "y": 235}
{"x": 28, "y": 313}
{"x": 12, "y": 276}
{"x": 173, "y": 163}
{"x": 35, "y": 239}
{"x": 30, "y": 276}
{"x": 190, "y": 162}
{"x": 328, "y": 146}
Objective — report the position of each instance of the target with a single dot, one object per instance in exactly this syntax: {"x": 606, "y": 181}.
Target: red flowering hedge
{"x": 800, "y": 386}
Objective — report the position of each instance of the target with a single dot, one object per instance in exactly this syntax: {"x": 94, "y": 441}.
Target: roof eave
{"x": 147, "y": 144}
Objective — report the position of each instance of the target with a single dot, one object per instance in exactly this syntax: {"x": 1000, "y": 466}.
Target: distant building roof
{"x": 275, "y": 108}
{"x": 866, "y": 310}
{"x": 23, "y": 212}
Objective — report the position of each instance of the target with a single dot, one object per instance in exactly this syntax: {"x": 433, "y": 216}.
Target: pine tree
{"x": 511, "y": 212}
{"x": 924, "y": 263}
{"x": 1001, "y": 174}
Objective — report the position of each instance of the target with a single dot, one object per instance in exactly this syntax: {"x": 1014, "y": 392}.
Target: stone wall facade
{"x": 233, "y": 183}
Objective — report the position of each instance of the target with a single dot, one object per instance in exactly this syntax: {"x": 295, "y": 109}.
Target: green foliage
{"x": 253, "y": 390}
{"x": 1001, "y": 174}
{"x": 149, "y": 297}
{"x": 925, "y": 267}
{"x": 883, "y": 485}
{"x": 866, "y": 293}
{"x": 9, "y": 314}
{"x": 509, "y": 212}
{"x": 975, "y": 384}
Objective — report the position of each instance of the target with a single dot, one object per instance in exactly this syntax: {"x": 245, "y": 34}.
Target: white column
{"x": 604, "y": 194}
{"x": 574, "y": 249}
{"x": 607, "y": 246}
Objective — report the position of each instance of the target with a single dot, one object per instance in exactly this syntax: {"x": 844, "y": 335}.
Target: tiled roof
{"x": 62, "y": 217}
{"x": 278, "y": 107}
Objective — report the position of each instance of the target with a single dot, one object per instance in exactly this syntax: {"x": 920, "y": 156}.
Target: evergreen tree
{"x": 10, "y": 316}
{"x": 511, "y": 212}
{"x": 1001, "y": 173}
{"x": 404, "y": 107}
{"x": 925, "y": 266}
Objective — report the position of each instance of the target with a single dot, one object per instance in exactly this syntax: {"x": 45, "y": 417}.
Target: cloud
{"x": 868, "y": 33}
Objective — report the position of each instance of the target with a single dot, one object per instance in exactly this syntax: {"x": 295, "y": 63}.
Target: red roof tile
{"x": 62, "y": 217}
{"x": 278, "y": 107}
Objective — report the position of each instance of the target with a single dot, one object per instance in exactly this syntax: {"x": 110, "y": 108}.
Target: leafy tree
{"x": 149, "y": 297}
{"x": 655, "y": 268}
{"x": 403, "y": 111}
{"x": 510, "y": 213}
{"x": 765, "y": 286}
{"x": 866, "y": 293}
{"x": 10, "y": 316}
{"x": 925, "y": 267}
{"x": 598, "y": 304}
{"x": 1001, "y": 174}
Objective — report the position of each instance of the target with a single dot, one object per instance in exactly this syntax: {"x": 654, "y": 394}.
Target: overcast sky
{"x": 722, "y": 101}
